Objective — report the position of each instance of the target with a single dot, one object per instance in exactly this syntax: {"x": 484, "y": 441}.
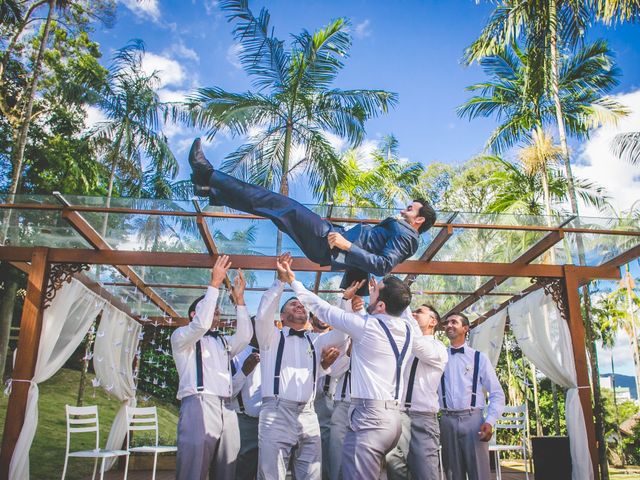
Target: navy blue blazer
{"x": 376, "y": 249}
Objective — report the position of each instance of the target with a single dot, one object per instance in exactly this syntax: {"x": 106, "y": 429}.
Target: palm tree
{"x": 131, "y": 132}
{"x": 294, "y": 105}
{"x": 610, "y": 11}
{"x": 381, "y": 181}
{"x": 627, "y": 147}
{"x": 517, "y": 96}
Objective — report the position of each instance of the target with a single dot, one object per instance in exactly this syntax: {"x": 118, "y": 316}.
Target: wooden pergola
{"x": 52, "y": 238}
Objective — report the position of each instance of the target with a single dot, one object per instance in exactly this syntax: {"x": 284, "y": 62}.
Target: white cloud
{"x": 233, "y": 55}
{"x": 94, "y": 116}
{"x": 145, "y": 9}
{"x": 210, "y": 6}
{"x": 362, "y": 29}
{"x": 168, "y": 95}
{"x": 179, "y": 49}
{"x": 597, "y": 163}
{"x": 169, "y": 71}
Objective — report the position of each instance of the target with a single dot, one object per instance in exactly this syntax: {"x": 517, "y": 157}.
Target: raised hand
{"x": 357, "y": 303}
{"x": 351, "y": 290}
{"x": 283, "y": 267}
{"x": 219, "y": 270}
{"x": 329, "y": 355}
{"x": 250, "y": 363}
{"x": 238, "y": 287}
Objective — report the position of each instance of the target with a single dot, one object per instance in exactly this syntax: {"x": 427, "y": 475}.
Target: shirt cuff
{"x": 491, "y": 420}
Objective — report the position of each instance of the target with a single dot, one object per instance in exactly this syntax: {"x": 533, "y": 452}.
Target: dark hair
{"x": 428, "y": 213}
{"x": 435, "y": 312}
{"x": 285, "y": 303}
{"x": 465, "y": 319}
{"x": 396, "y": 295}
{"x": 192, "y": 307}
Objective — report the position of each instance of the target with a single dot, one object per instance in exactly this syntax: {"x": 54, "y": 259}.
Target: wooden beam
{"x": 27, "y": 355}
{"x": 524, "y": 259}
{"x": 578, "y": 339}
{"x": 95, "y": 240}
{"x": 207, "y": 238}
{"x": 624, "y": 257}
{"x": 98, "y": 290}
{"x": 251, "y": 262}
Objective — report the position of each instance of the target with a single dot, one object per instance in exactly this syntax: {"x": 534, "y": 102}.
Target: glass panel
{"x": 595, "y": 249}
{"x": 509, "y": 219}
{"x": 132, "y": 203}
{"x": 155, "y": 233}
{"x": 22, "y": 198}
{"x": 475, "y": 245}
{"x": 483, "y": 305}
{"x": 623, "y": 224}
{"x": 447, "y": 283}
{"x": 39, "y": 228}
{"x": 442, "y": 303}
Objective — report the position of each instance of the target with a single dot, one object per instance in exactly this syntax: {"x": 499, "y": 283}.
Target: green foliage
{"x": 294, "y": 106}
{"x": 157, "y": 373}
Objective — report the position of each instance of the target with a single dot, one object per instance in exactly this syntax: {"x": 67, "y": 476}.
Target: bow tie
{"x": 214, "y": 333}
{"x": 457, "y": 350}
{"x": 297, "y": 333}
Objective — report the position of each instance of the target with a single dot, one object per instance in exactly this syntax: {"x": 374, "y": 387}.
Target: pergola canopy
{"x": 154, "y": 256}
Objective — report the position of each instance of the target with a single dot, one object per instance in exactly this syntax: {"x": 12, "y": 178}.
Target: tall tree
{"x": 294, "y": 106}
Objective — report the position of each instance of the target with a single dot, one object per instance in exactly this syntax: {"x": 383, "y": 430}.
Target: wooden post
{"x": 578, "y": 339}
{"x": 28, "y": 343}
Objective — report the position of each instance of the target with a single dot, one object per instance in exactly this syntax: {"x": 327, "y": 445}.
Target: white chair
{"x": 513, "y": 418}
{"x": 85, "y": 420}
{"x": 145, "y": 419}
{"x": 441, "y": 464}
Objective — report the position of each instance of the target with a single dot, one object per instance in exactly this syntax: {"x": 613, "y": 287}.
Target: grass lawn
{"x": 47, "y": 451}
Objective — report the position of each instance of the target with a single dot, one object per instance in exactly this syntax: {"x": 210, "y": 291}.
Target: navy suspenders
{"x": 399, "y": 355}
{"x": 199, "y": 375}
{"x": 412, "y": 378}
{"x": 474, "y": 385}
{"x": 327, "y": 383}
{"x": 278, "y": 366}
{"x": 346, "y": 383}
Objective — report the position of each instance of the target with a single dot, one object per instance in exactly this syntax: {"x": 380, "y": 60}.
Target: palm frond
{"x": 627, "y": 147}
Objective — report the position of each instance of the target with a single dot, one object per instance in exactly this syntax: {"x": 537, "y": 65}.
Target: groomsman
{"x": 419, "y": 443}
{"x": 290, "y": 363}
{"x": 208, "y": 439}
{"x": 465, "y": 429}
{"x": 380, "y": 343}
{"x": 247, "y": 399}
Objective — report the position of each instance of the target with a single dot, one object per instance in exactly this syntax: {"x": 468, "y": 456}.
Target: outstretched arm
{"x": 244, "y": 331}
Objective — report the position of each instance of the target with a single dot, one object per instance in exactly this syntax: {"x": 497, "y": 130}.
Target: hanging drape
{"x": 544, "y": 337}
{"x": 488, "y": 336}
{"x": 113, "y": 354}
{"x": 64, "y": 324}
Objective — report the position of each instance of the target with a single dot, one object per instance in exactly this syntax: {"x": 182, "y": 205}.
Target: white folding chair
{"x": 441, "y": 464}
{"x": 145, "y": 419}
{"x": 513, "y": 418}
{"x": 85, "y": 420}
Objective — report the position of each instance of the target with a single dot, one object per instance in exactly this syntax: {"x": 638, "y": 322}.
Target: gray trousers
{"x": 208, "y": 439}
{"x": 374, "y": 430}
{"x": 247, "y": 467}
{"x": 288, "y": 431}
{"x": 324, "y": 409}
{"x": 339, "y": 426}
{"x": 463, "y": 454}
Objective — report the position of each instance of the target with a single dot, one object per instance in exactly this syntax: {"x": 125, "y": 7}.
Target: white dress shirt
{"x": 424, "y": 395}
{"x": 373, "y": 363}
{"x": 216, "y": 375}
{"x": 458, "y": 380}
{"x": 247, "y": 387}
{"x": 296, "y": 369}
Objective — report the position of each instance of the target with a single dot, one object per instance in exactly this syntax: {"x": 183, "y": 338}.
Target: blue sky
{"x": 413, "y": 48}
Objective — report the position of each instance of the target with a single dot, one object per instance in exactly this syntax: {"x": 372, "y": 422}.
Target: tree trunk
{"x": 631, "y": 329}
{"x": 555, "y": 89}
{"x": 284, "y": 181}
{"x": 556, "y": 412}
{"x": 615, "y": 405}
{"x": 598, "y": 410}
{"x": 18, "y": 153}
{"x": 6, "y": 318}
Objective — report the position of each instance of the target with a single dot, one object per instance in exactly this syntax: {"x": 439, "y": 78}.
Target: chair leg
{"x": 155, "y": 464}
{"x": 95, "y": 467}
{"x": 102, "y": 469}
{"x": 126, "y": 466}
{"x": 498, "y": 467}
{"x": 64, "y": 469}
{"x": 526, "y": 469}
{"x": 441, "y": 465}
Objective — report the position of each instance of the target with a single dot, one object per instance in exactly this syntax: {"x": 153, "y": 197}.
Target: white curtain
{"x": 64, "y": 324}
{"x": 488, "y": 336}
{"x": 113, "y": 353}
{"x": 544, "y": 337}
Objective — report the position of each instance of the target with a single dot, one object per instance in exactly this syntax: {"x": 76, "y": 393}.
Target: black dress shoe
{"x": 201, "y": 167}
